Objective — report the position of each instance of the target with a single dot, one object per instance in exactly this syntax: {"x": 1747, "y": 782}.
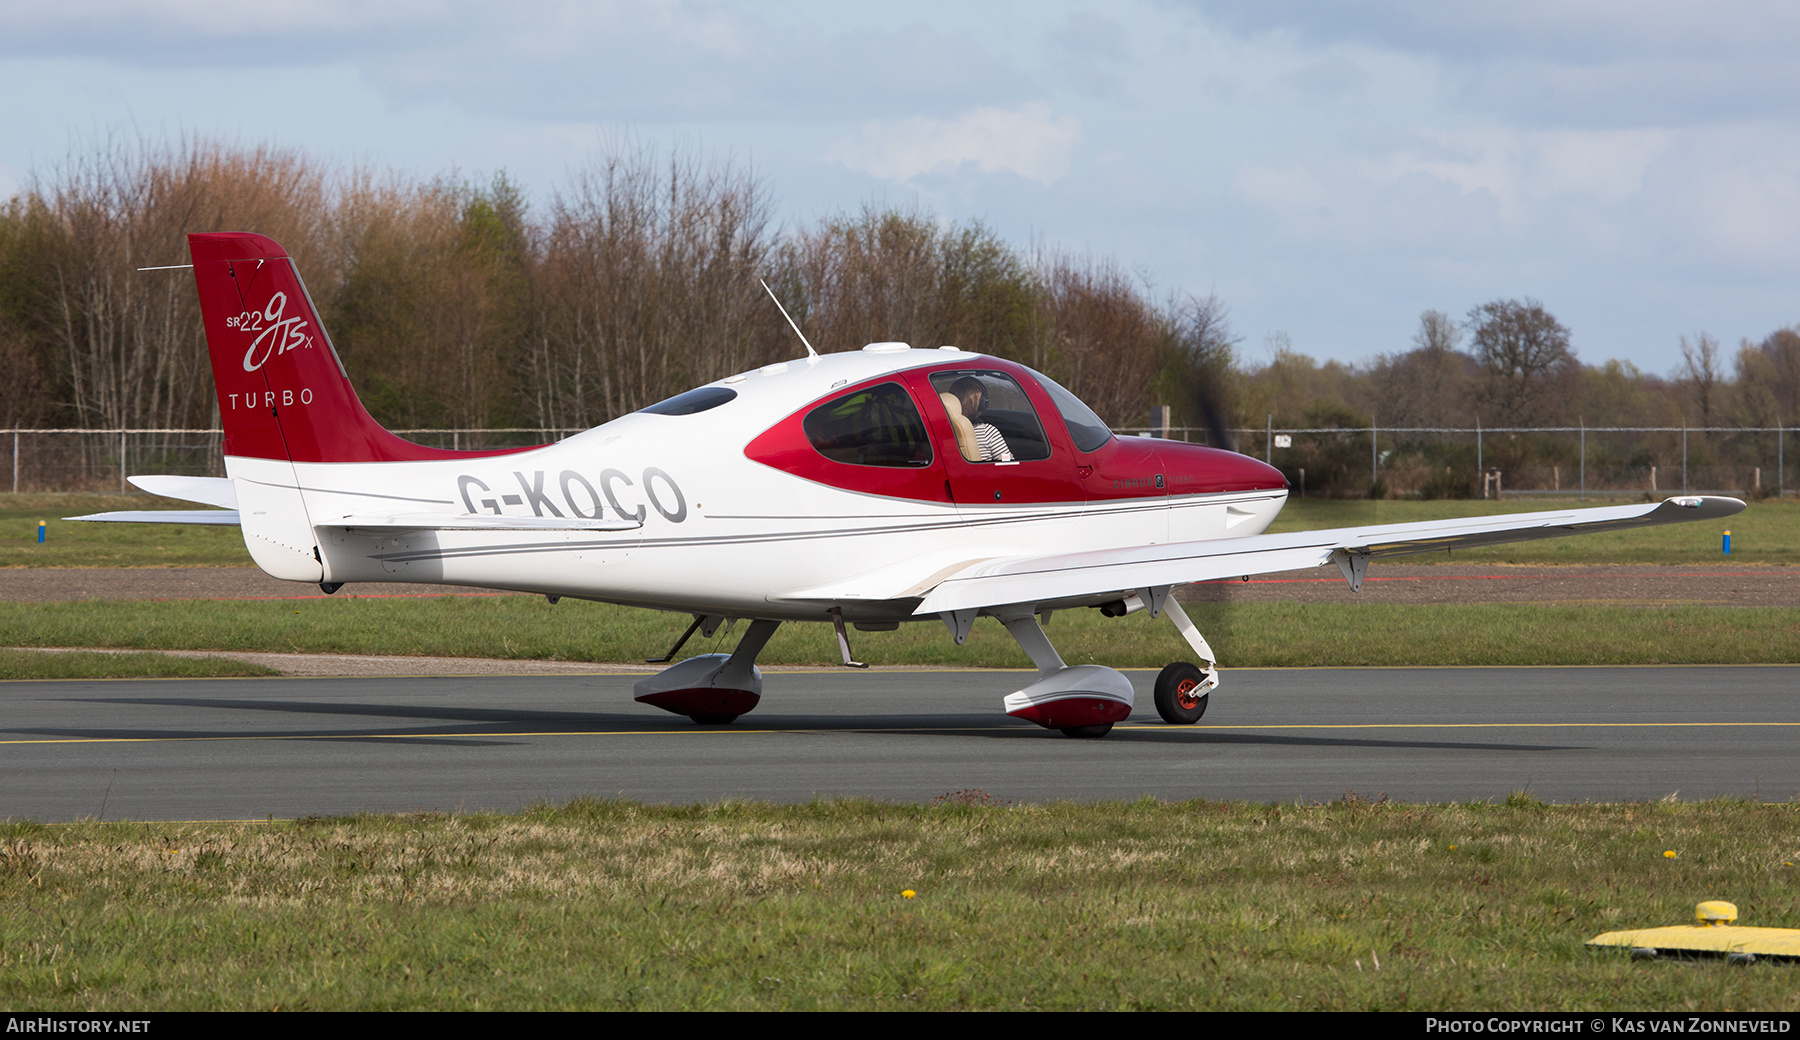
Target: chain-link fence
{"x": 100, "y": 460}
{"x": 1431, "y": 462}
{"x": 1490, "y": 462}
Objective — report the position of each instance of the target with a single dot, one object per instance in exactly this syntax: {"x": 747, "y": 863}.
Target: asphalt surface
{"x": 288, "y": 747}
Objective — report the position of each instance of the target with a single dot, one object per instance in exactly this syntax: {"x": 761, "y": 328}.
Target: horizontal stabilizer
{"x": 478, "y": 522}
{"x": 165, "y": 516}
{"x": 211, "y": 491}
{"x": 1071, "y": 576}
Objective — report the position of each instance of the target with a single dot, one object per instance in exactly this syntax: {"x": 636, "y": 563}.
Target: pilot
{"x": 974, "y": 399}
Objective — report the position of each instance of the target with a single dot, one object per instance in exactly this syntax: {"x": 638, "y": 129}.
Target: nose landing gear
{"x": 1181, "y": 690}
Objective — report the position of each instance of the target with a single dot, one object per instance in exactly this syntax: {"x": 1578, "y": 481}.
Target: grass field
{"x": 1765, "y": 533}
{"x": 70, "y": 544}
{"x": 1245, "y": 634}
{"x": 1357, "y": 905}
{"x": 80, "y": 664}
{"x": 1349, "y": 906}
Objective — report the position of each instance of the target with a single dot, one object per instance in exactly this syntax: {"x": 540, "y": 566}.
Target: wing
{"x": 1075, "y": 577}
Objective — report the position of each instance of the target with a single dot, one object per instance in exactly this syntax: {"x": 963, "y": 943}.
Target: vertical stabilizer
{"x": 283, "y": 393}
{"x": 284, "y": 397}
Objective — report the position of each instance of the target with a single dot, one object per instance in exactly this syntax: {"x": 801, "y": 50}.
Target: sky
{"x": 1329, "y": 170}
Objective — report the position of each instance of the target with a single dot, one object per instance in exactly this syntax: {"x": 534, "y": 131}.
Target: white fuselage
{"x": 720, "y": 533}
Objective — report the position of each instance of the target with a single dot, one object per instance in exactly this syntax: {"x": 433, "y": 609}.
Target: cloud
{"x": 678, "y": 59}
{"x": 1520, "y": 167}
{"x": 1600, "y": 63}
{"x": 1028, "y": 141}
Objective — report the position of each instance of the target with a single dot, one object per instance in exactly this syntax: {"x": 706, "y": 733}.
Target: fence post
{"x": 1582, "y": 497}
{"x": 1374, "y": 454}
{"x": 1269, "y": 440}
{"x": 15, "y": 462}
{"x": 1684, "y": 486}
{"x": 1479, "y": 467}
{"x": 121, "y": 460}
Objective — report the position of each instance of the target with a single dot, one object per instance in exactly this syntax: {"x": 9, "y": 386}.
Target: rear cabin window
{"x": 994, "y": 400}
{"x": 700, "y": 400}
{"x": 879, "y": 426}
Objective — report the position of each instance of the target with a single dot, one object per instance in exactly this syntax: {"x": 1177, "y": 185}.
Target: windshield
{"x": 1085, "y": 428}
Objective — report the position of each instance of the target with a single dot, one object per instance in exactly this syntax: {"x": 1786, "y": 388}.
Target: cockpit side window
{"x": 998, "y": 422}
{"x": 1086, "y": 429}
{"x": 879, "y": 426}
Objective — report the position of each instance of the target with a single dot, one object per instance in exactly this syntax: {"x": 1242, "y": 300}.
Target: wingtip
{"x": 1709, "y": 506}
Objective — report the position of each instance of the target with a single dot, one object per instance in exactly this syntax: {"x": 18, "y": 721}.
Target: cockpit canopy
{"x": 988, "y": 409}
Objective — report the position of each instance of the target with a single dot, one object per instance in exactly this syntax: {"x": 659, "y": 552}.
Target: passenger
{"x": 974, "y": 398}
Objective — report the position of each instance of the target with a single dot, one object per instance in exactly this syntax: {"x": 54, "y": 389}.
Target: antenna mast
{"x": 810, "y": 352}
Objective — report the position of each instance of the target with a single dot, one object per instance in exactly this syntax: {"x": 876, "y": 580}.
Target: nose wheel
{"x": 1181, "y": 692}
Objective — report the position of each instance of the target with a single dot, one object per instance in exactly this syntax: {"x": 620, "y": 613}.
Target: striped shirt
{"x": 993, "y": 445}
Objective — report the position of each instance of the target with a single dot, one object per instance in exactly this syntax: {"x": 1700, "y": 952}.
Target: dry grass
{"x": 1354, "y": 905}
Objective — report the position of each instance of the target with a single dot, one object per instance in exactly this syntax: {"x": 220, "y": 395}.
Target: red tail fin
{"x": 283, "y": 393}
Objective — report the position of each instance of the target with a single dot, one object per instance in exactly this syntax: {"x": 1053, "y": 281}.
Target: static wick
{"x": 810, "y": 352}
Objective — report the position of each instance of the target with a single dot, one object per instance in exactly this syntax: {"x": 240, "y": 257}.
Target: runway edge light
{"x": 1711, "y": 933}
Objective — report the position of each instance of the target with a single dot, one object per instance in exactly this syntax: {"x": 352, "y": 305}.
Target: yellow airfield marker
{"x": 1711, "y": 932}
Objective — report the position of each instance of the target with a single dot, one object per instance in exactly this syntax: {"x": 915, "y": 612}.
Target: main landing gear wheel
{"x": 713, "y": 720}
{"x": 1180, "y": 696}
{"x": 1088, "y": 732}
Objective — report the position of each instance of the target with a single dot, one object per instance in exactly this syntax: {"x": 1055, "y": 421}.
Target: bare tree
{"x": 1700, "y": 375}
{"x": 649, "y": 285}
{"x": 1199, "y": 365}
{"x": 1437, "y": 332}
{"x": 1099, "y": 335}
{"x": 1782, "y": 349}
{"x": 1428, "y": 385}
{"x": 1525, "y": 358}
{"x": 900, "y": 275}
{"x": 132, "y": 349}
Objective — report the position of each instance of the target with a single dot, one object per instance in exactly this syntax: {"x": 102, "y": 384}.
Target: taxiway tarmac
{"x": 288, "y": 747}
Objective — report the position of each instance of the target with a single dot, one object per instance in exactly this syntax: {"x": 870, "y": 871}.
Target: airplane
{"x": 864, "y": 488}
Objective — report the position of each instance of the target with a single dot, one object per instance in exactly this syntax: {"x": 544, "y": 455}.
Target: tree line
{"x": 458, "y": 303}
{"x": 1510, "y": 363}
